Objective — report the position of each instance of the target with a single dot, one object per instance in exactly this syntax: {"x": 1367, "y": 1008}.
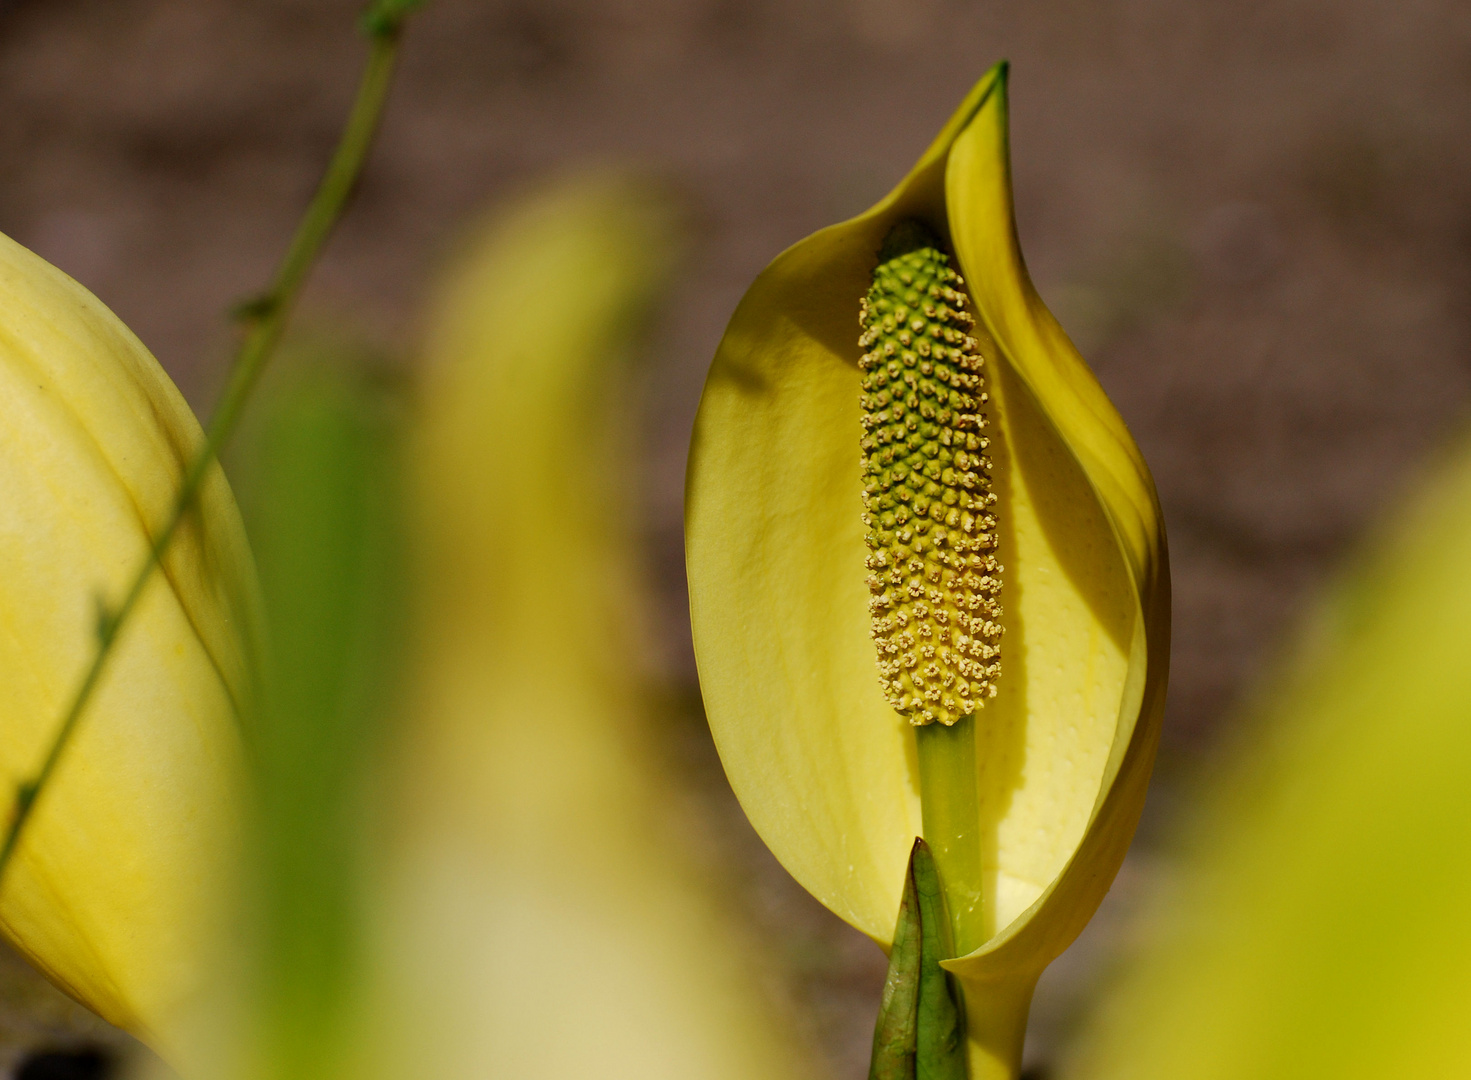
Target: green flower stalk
{"x": 928, "y": 579}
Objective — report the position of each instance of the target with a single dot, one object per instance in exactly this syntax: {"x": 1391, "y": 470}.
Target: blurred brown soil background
{"x": 1254, "y": 217}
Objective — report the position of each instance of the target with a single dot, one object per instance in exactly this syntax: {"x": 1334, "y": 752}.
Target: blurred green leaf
{"x": 322, "y": 504}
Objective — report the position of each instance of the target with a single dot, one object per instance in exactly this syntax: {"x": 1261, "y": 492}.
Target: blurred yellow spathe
{"x": 1318, "y": 926}
{"x": 824, "y": 767}
{"x": 128, "y": 846}
{"x": 543, "y": 921}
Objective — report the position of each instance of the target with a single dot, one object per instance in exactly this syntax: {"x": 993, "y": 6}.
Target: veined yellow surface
{"x": 129, "y": 845}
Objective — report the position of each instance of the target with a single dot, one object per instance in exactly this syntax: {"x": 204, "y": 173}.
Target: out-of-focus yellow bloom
{"x": 130, "y": 842}
{"x": 824, "y": 766}
{"x": 544, "y": 923}
{"x": 1318, "y": 926}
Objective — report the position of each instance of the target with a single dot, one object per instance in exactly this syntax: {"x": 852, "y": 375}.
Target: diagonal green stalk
{"x": 950, "y": 815}
{"x": 265, "y": 319}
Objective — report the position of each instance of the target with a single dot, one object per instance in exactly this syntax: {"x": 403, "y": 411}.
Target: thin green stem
{"x": 950, "y": 814}
{"x": 265, "y": 319}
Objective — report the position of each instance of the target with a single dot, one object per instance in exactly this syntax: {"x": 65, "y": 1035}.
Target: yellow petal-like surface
{"x": 1099, "y": 630}
{"x": 825, "y": 769}
{"x": 544, "y": 923}
{"x": 1316, "y": 925}
{"x": 108, "y": 891}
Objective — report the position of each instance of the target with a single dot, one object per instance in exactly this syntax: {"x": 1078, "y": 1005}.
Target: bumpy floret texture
{"x": 929, "y": 511}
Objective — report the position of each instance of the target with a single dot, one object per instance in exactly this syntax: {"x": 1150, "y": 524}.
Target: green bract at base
{"x": 920, "y": 1031}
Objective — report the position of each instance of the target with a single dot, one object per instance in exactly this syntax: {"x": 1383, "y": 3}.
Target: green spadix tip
{"x": 909, "y": 235}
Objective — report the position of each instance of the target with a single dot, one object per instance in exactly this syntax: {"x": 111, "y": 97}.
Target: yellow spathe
{"x": 543, "y": 920}
{"x": 124, "y": 855}
{"x": 1315, "y": 925}
{"x": 824, "y": 768}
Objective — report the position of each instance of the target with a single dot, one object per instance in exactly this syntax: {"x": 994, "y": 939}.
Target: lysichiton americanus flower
{"x": 928, "y": 578}
{"x": 109, "y": 888}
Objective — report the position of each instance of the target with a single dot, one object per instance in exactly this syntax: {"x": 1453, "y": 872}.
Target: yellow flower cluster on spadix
{"x": 110, "y": 889}
{"x": 781, "y": 503}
